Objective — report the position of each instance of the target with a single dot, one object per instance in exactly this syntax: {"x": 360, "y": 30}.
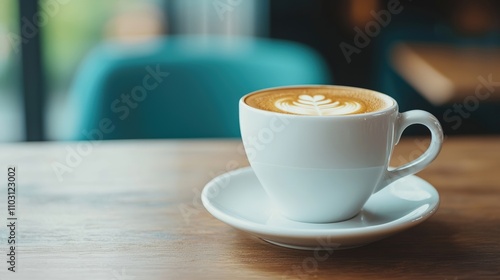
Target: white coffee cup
{"x": 321, "y": 169}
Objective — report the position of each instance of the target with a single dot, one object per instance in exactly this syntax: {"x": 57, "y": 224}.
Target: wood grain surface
{"x": 132, "y": 210}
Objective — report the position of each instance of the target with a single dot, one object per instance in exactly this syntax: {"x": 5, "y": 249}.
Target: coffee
{"x": 318, "y": 101}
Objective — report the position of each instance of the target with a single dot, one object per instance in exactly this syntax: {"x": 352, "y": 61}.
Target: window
{"x": 73, "y": 28}
{"x": 11, "y": 120}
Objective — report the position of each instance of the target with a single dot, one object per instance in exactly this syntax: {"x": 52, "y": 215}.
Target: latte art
{"x": 318, "y": 105}
{"x": 318, "y": 101}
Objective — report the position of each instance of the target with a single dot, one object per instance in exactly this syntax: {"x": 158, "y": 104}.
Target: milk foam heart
{"x": 319, "y": 105}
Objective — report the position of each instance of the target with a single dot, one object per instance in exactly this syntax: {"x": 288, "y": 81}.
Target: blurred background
{"x": 118, "y": 69}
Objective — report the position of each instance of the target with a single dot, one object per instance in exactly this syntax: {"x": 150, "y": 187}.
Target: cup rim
{"x": 390, "y": 108}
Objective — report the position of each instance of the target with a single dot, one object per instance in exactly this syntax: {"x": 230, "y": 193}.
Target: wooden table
{"x": 446, "y": 74}
{"x": 132, "y": 210}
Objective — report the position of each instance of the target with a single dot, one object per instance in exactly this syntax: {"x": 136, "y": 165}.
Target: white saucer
{"x": 237, "y": 199}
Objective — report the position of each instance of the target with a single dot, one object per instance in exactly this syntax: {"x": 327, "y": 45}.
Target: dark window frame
{"x": 32, "y": 80}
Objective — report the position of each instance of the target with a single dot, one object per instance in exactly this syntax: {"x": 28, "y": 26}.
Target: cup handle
{"x": 403, "y": 121}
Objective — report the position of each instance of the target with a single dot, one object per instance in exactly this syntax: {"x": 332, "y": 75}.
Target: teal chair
{"x": 182, "y": 86}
